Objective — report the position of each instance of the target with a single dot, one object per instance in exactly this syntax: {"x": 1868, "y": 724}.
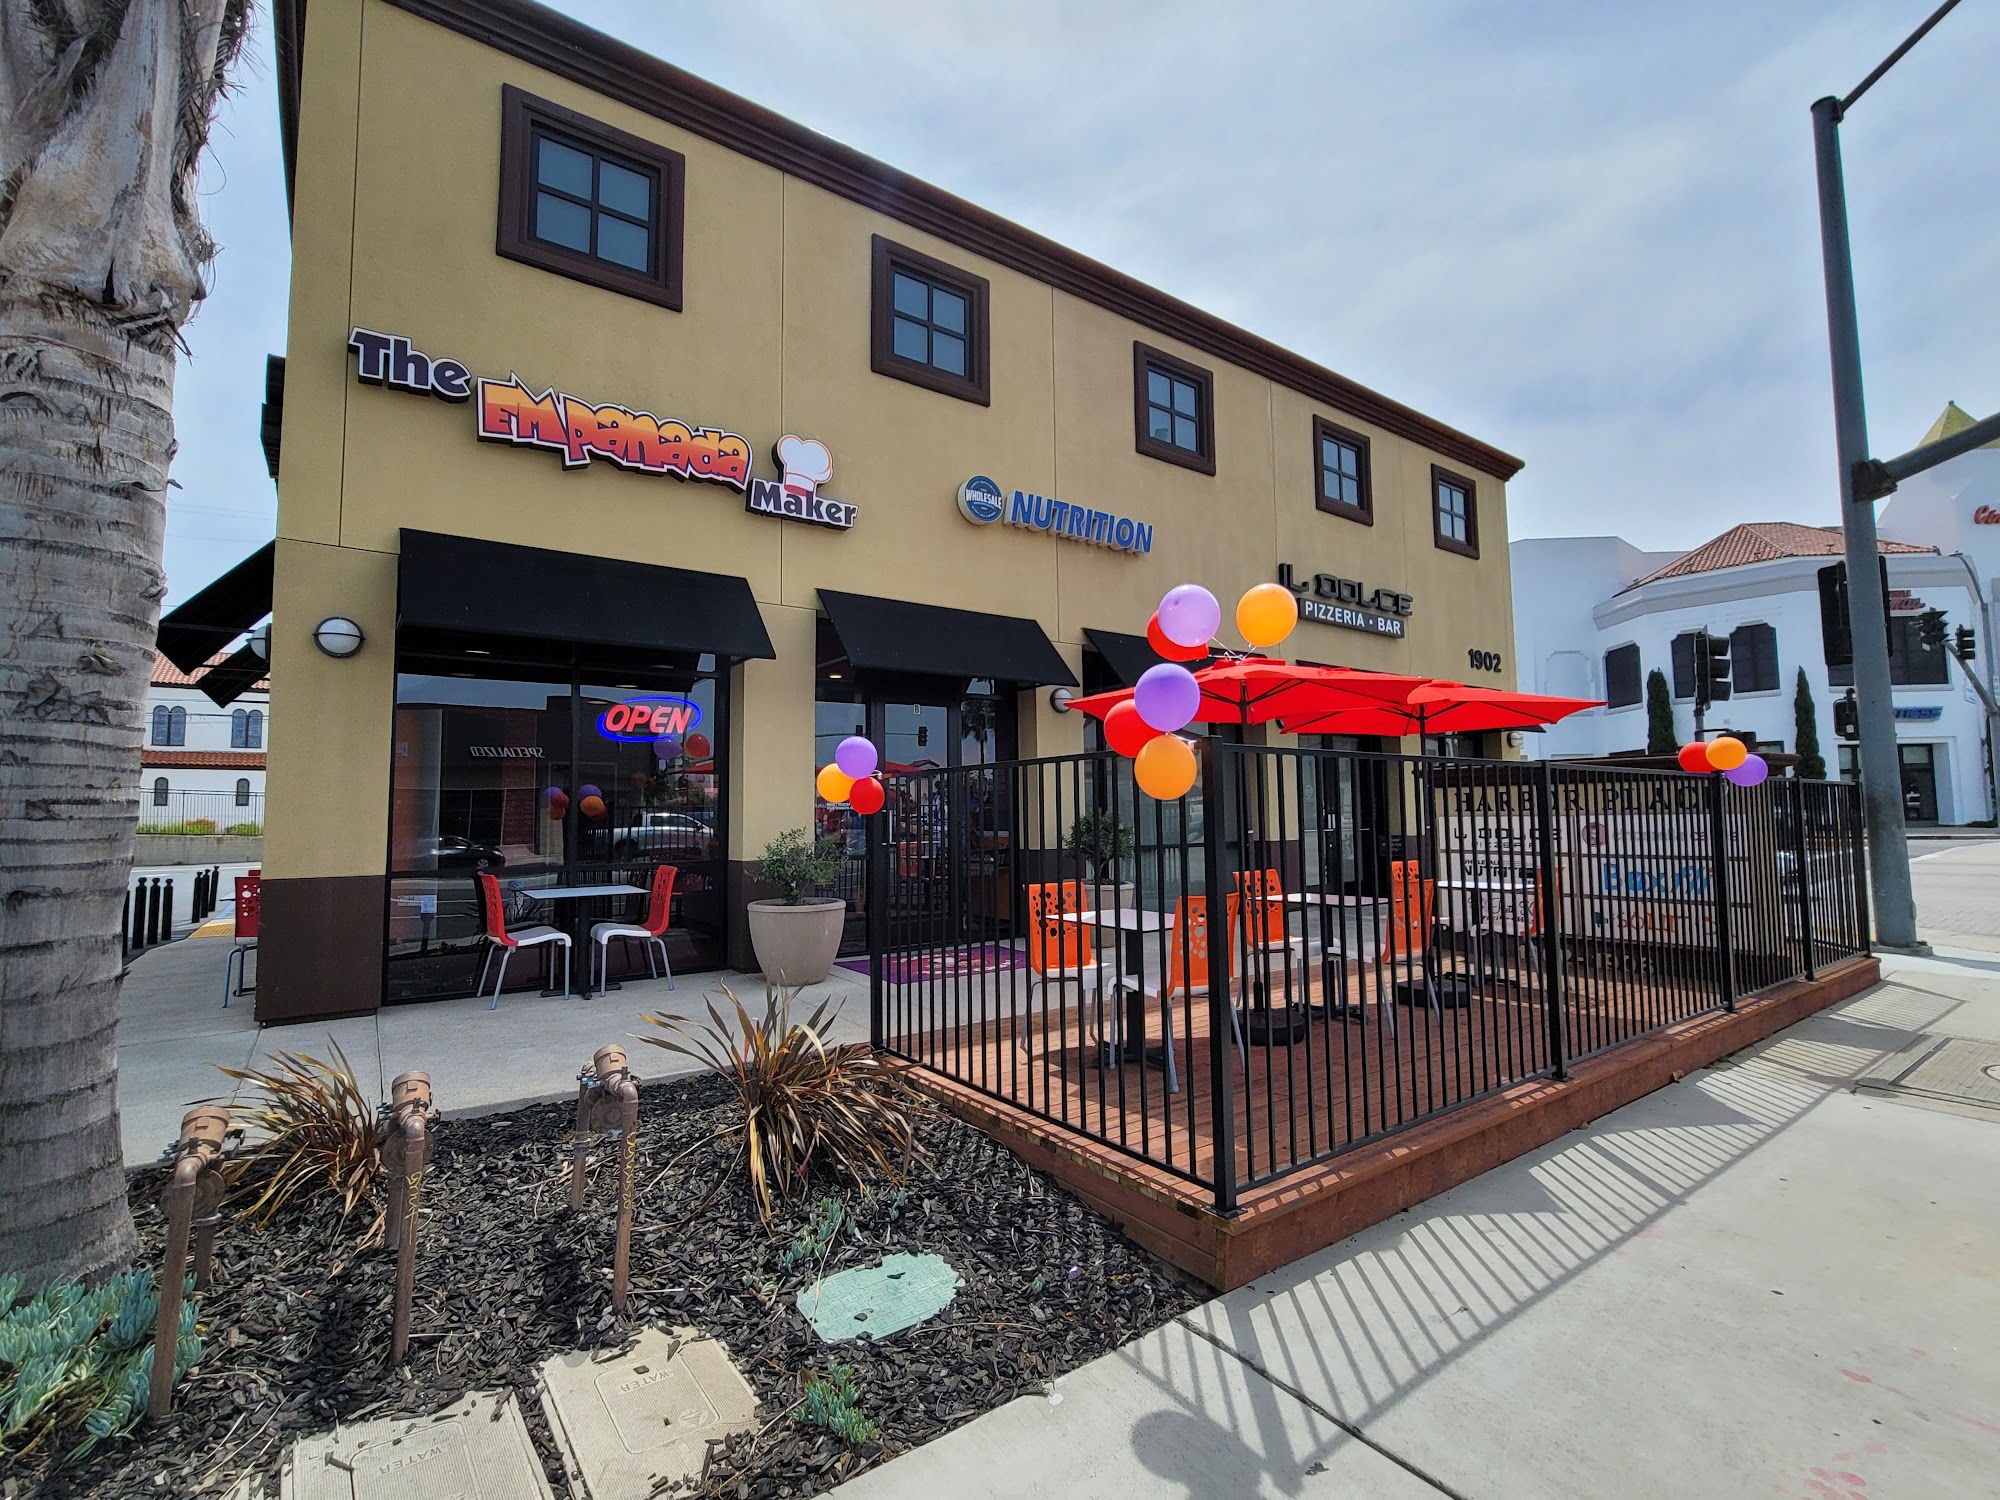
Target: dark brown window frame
{"x": 1364, "y": 466}
{"x": 520, "y": 113}
{"x": 1202, "y": 380}
{"x": 977, "y": 386}
{"x": 1470, "y": 546}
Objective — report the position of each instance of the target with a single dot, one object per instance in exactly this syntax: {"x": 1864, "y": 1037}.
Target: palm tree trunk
{"x": 104, "y": 109}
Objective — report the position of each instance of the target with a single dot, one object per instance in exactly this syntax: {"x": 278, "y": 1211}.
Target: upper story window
{"x": 1682, "y": 650}
{"x": 246, "y": 729}
{"x": 1342, "y": 460}
{"x": 1621, "y": 676}
{"x": 1911, "y": 662}
{"x": 1174, "y": 406}
{"x": 929, "y": 323}
{"x": 1753, "y": 659}
{"x": 1454, "y": 512}
{"x": 587, "y": 201}
{"x": 170, "y": 725}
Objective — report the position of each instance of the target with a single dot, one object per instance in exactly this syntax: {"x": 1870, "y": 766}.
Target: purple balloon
{"x": 667, "y": 747}
{"x": 1751, "y": 773}
{"x": 555, "y": 792}
{"x": 1167, "y": 697}
{"x": 587, "y": 790}
{"x": 856, "y": 757}
{"x": 1189, "y": 616}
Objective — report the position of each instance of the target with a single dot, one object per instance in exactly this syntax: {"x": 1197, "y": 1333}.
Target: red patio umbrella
{"x": 1437, "y": 707}
{"x": 1258, "y": 689}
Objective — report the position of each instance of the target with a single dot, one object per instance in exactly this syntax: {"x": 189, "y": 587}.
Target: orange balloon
{"x": 1726, "y": 753}
{"x": 1165, "y": 767}
{"x": 1266, "y": 614}
{"x": 591, "y": 807}
{"x": 834, "y": 784}
{"x": 1125, "y": 731}
{"x": 867, "y": 796}
{"x": 1171, "y": 650}
{"x": 1694, "y": 759}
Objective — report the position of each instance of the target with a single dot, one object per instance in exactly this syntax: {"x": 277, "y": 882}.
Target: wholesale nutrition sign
{"x": 512, "y": 413}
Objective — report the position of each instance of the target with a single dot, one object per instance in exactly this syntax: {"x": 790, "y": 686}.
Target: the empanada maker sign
{"x": 583, "y": 432}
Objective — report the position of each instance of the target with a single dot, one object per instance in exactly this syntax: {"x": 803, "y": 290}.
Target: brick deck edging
{"x": 1321, "y": 1205}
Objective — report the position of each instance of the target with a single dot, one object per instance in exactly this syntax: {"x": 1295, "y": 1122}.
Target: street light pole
{"x": 1881, "y": 769}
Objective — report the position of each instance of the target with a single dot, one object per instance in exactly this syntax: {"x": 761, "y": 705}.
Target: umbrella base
{"x": 1453, "y": 991}
{"x": 1276, "y": 1026}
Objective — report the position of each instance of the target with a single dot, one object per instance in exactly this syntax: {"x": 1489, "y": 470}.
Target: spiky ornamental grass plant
{"x": 804, "y": 1102}
{"x": 317, "y": 1133}
{"x": 73, "y": 1357}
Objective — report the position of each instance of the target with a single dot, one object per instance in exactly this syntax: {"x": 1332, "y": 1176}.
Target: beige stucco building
{"x": 553, "y": 295}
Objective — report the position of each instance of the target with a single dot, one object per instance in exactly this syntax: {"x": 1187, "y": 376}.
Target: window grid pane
{"x": 1184, "y": 398}
{"x": 620, "y": 242}
{"x": 931, "y": 324}
{"x": 625, "y": 191}
{"x": 564, "y": 168}
{"x": 1184, "y": 434}
{"x": 562, "y": 222}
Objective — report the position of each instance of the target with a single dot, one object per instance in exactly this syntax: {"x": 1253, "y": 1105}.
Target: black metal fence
{"x": 1315, "y": 948}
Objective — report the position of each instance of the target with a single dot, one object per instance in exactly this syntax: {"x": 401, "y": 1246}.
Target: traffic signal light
{"x": 1847, "y": 717}
{"x": 1711, "y": 668}
{"x": 1964, "y": 646}
{"x": 1930, "y": 629}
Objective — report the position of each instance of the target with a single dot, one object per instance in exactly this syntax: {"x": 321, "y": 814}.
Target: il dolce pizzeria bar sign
{"x": 512, "y": 413}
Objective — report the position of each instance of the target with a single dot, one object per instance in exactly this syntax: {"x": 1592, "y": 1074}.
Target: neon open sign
{"x": 649, "y": 717}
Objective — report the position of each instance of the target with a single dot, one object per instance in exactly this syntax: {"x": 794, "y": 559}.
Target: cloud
{"x": 1585, "y": 233}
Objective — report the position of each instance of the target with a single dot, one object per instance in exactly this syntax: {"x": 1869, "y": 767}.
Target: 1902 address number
{"x": 1483, "y": 661}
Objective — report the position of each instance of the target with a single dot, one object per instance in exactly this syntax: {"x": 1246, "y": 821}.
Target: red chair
{"x": 249, "y": 889}
{"x": 652, "y": 932}
{"x": 505, "y": 942}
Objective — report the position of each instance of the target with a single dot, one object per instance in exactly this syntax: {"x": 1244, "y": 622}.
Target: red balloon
{"x": 1172, "y": 651}
{"x": 1125, "y": 731}
{"x": 1694, "y": 759}
{"x": 698, "y": 746}
{"x": 867, "y": 795}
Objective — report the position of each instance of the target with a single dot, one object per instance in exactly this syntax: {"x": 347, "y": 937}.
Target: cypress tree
{"x": 1660, "y": 737}
{"x": 1805, "y": 722}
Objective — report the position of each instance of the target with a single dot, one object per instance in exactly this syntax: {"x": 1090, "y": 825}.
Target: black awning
{"x": 1128, "y": 656}
{"x": 495, "y": 588}
{"x": 892, "y": 635}
{"x": 196, "y": 629}
{"x": 227, "y": 681}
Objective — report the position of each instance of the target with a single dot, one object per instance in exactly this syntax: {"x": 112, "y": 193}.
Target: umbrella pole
{"x": 1427, "y": 855}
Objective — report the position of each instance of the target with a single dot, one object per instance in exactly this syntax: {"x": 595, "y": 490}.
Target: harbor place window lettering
{"x": 1349, "y": 603}
{"x": 510, "y": 413}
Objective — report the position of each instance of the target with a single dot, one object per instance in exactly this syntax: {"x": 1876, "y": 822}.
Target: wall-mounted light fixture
{"x": 1059, "y": 699}
{"x": 338, "y": 636}
{"x": 259, "y": 641}
{"x": 1515, "y": 739}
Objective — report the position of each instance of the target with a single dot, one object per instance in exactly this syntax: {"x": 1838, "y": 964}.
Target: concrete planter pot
{"x": 1109, "y": 895}
{"x": 796, "y": 944}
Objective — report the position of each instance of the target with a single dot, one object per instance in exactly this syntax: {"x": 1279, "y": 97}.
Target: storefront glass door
{"x": 548, "y": 773}
{"x": 1920, "y": 801}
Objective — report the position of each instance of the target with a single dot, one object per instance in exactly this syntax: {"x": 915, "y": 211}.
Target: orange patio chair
{"x": 1059, "y": 952}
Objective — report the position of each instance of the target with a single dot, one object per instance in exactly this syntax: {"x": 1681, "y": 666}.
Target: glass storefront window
{"x": 549, "y": 773}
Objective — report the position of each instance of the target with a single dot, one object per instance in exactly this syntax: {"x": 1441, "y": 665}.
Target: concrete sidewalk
{"x": 173, "y": 1033}
{"x": 1755, "y": 1282}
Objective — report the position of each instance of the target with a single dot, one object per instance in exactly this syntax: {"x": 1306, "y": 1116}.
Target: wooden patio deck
{"x": 1408, "y": 1112}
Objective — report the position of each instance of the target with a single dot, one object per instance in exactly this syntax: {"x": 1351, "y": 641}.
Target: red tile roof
{"x": 166, "y": 674}
{"x": 202, "y": 760}
{"x": 1763, "y": 541}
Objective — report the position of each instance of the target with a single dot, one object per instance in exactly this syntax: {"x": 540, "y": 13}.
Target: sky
{"x": 1584, "y": 233}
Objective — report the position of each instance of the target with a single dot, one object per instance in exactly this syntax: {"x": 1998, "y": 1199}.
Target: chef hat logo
{"x": 806, "y": 463}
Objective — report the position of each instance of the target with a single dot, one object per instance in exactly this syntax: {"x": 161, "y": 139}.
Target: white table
{"x": 1132, "y": 923}
{"x": 578, "y": 893}
{"x": 1484, "y": 886}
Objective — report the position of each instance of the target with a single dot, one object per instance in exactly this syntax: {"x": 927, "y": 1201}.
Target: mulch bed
{"x": 296, "y": 1328}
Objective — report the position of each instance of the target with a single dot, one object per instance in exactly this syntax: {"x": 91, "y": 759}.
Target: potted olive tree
{"x": 1101, "y": 845}
{"x": 797, "y": 934}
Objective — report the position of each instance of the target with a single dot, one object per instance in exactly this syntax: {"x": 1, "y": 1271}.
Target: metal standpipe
{"x": 607, "y": 1107}
{"x": 405, "y": 1154}
{"x": 193, "y": 1202}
